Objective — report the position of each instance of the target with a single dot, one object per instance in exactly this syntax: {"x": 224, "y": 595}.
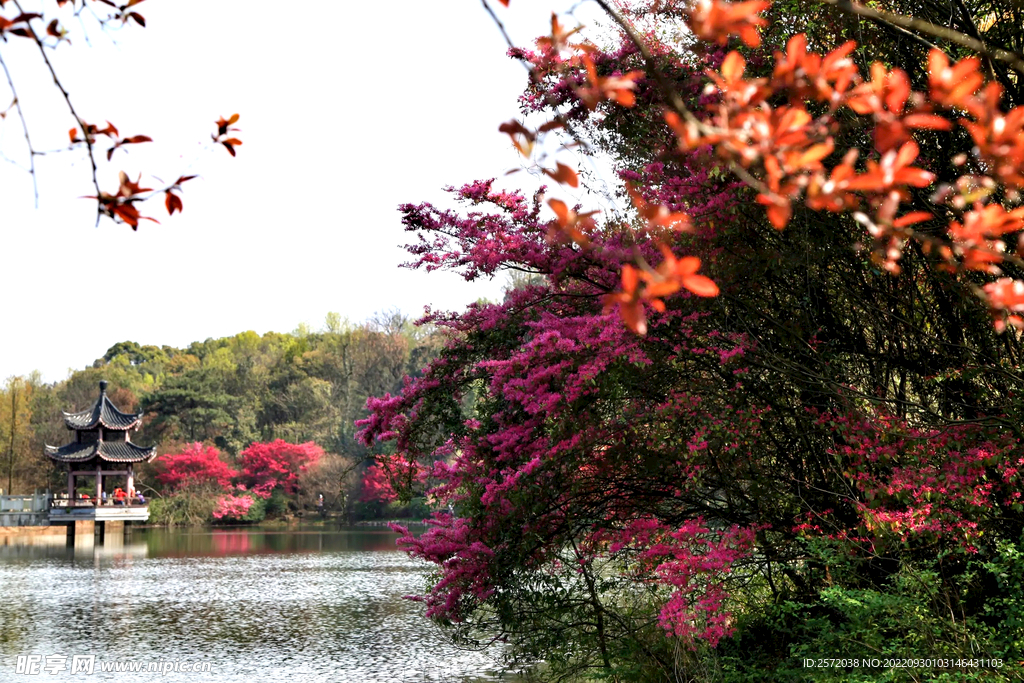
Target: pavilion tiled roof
{"x": 111, "y": 451}
{"x": 103, "y": 413}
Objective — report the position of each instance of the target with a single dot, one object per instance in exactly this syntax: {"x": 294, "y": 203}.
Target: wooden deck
{"x": 80, "y": 510}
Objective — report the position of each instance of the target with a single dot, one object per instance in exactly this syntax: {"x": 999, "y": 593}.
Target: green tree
{"x": 190, "y": 407}
{"x": 16, "y": 434}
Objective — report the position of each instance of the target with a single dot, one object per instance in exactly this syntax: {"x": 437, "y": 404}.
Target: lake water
{"x": 291, "y": 605}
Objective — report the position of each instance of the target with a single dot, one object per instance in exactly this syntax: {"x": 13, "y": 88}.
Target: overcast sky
{"x": 347, "y": 110}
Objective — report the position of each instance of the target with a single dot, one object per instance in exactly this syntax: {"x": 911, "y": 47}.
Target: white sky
{"x": 347, "y": 110}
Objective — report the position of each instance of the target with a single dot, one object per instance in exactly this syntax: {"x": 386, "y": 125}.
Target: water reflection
{"x": 257, "y": 605}
{"x": 165, "y": 543}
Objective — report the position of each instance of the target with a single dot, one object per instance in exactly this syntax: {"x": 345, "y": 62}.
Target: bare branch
{"x": 24, "y": 127}
{"x": 71, "y": 107}
{"x": 668, "y": 91}
{"x": 1014, "y": 61}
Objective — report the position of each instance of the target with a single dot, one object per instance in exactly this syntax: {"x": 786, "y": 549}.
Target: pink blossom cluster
{"x": 926, "y": 480}
{"x": 550, "y": 442}
{"x": 693, "y": 560}
{"x": 232, "y": 507}
{"x": 465, "y": 563}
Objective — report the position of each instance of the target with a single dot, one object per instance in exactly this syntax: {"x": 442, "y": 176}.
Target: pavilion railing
{"x": 30, "y": 503}
{"x": 58, "y": 502}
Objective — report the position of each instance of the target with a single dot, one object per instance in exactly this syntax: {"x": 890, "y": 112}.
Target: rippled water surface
{"x": 258, "y": 605}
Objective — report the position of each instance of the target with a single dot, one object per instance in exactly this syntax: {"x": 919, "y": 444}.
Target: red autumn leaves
{"x": 650, "y": 285}
{"x": 224, "y": 130}
{"x": 172, "y": 202}
{"x": 570, "y": 224}
{"x": 790, "y": 145}
{"x": 641, "y": 283}
{"x": 618, "y": 89}
{"x": 762, "y": 129}
{"x": 122, "y": 205}
{"x": 715, "y": 21}
{"x": 977, "y": 236}
{"x": 90, "y": 131}
{"x": 19, "y": 25}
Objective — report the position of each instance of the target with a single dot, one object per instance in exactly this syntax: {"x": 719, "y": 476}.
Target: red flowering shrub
{"x": 196, "y": 465}
{"x": 379, "y": 480}
{"x": 376, "y": 486}
{"x": 278, "y": 464}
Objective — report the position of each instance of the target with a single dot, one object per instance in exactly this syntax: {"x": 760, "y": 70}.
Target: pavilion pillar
{"x": 131, "y": 484}
{"x": 71, "y": 486}
{"x": 99, "y": 485}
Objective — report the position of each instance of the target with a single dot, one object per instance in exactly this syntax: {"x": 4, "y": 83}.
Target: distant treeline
{"x": 229, "y": 392}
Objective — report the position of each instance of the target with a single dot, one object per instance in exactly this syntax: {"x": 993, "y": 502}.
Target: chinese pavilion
{"x": 102, "y": 448}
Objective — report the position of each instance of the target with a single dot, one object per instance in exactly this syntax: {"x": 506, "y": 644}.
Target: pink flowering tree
{"x": 239, "y": 507}
{"x": 648, "y": 470}
{"x": 376, "y": 486}
{"x": 266, "y": 467}
{"x": 389, "y": 476}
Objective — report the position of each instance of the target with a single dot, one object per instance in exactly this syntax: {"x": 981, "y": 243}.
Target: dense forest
{"x": 227, "y": 394}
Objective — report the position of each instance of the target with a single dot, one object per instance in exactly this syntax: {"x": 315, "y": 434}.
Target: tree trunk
{"x": 14, "y": 430}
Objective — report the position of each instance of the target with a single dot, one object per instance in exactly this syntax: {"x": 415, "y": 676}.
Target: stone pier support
{"x": 111, "y": 530}
{"x": 81, "y": 532}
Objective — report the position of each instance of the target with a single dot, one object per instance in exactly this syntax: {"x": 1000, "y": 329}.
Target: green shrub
{"x": 187, "y": 507}
{"x": 276, "y": 505}
{"x": 258, "y": 511}
{"x": 954, "y": 606}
